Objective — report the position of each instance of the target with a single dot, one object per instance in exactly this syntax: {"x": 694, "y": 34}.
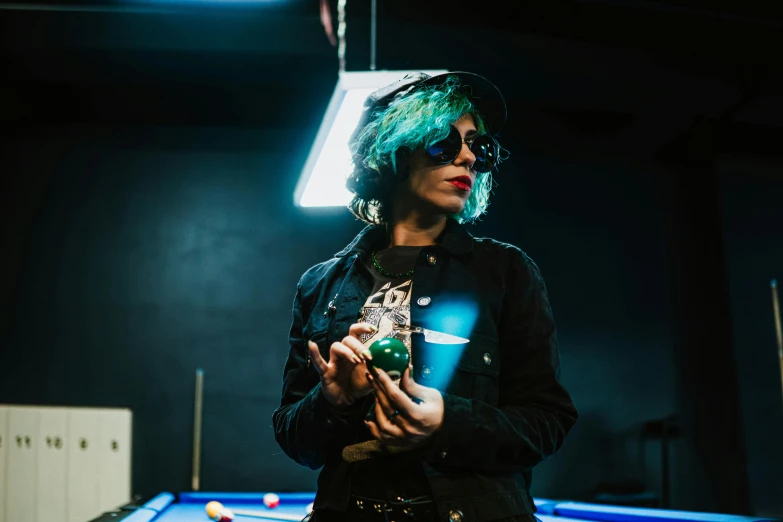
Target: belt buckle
{"x": 377, "y": 507}
{"x": 407, "y": 507}
{"x": 399, "y": 510}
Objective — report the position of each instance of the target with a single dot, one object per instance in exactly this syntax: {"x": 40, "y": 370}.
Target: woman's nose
{"x": 465, "y": 156}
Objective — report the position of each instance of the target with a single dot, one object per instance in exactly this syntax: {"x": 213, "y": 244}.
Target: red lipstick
{"x": 462, "y": 182}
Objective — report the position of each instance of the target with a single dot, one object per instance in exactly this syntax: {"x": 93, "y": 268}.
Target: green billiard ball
{"x": 390, "y": 355}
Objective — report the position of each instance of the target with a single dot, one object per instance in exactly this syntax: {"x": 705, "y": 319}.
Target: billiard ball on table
{"x": 390, "y": 355}
{"x": 218, "y": 512}
{"x": 271, "y": 500}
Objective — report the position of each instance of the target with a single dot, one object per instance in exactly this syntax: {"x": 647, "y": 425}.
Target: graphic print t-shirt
{"x": 401, "y": 474}
{"x": 390, "y": 300}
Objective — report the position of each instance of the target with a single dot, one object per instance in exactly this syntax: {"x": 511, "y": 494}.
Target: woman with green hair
{"x": 456, "y": 435}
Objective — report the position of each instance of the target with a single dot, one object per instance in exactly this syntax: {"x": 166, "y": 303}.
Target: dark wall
{"x": 150, "y": 230}
{"x": 148, "y": 261}
{"x": 752, "y": 199}
{"x": 182, "y": 251}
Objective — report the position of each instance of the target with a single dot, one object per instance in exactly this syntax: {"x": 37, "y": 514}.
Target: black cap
{"x": 482, "y": 93}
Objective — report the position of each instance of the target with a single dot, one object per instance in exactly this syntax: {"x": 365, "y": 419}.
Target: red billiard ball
{"x": 271, "y": 500}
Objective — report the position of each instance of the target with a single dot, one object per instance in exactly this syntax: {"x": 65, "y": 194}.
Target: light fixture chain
{"x": 373, "y": 32}
{"x": 341, "y": 33}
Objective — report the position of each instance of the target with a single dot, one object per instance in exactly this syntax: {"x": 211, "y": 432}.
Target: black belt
{"x": 400, "y": 510}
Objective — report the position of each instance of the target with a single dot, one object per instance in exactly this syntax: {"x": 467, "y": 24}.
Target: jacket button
{"x": 423, "y": 301}
{"x": 426, "y": 372}
{"x": 331, "y": 308}
{"x": 455, "y": 515}
{"x": 432, "y": 260}
{"x": 487, "y": 359}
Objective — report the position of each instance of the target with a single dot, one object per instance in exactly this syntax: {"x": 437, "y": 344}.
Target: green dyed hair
{"x": 412, "y": 122}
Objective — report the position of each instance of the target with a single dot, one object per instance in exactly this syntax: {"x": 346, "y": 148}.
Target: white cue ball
{"x": 271, "y": 500}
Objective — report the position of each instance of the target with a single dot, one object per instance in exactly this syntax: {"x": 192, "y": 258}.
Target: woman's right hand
{"x": 344, "y": 376}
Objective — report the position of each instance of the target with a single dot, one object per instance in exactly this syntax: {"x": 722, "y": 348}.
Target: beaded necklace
{"x": 391, "y": 275}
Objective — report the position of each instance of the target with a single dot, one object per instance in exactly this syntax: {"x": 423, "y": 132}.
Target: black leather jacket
{"x": 505, "y": 409}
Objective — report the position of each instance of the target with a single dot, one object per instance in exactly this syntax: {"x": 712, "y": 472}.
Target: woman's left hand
{"x": 399, "y": 419}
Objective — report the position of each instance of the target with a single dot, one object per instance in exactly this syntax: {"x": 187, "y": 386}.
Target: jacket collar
{"x": 455, "y": 239}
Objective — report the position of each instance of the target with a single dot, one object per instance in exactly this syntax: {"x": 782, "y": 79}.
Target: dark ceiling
{"x": 635, "y": 70}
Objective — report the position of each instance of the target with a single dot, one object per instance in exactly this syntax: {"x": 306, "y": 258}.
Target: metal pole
{"x": 341, "y": 33}
{"x": 776, "y": 311}
{"x": 373, "y": 32}
{"x": 196, "y": 478}
{"x": 664, "y": 465}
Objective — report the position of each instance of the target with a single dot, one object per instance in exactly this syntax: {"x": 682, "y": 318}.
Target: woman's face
{"x": 442, "y": 189}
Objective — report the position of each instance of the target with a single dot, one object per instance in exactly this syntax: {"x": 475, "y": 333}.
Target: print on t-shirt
{"x": 389, "y": 305}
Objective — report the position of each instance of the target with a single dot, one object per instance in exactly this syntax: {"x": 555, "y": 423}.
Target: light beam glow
{"x": 326, "y": 187}
{"x": 322, "y": 183}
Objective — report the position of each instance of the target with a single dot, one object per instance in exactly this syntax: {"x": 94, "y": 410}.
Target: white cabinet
{"x": 114, "y": 454}
{"x": 83, "y": 466}
{"x": 4, "y": 444}
{"x": 52, "y": 464}
{"x": 21, "y": 490}
{"x": 63, "y": 464}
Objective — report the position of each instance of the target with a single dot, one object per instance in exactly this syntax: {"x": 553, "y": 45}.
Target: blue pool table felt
{"x": 190, "y": 507}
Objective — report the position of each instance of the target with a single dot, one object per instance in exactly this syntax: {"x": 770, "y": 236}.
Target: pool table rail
{"x": 549, "y": 510}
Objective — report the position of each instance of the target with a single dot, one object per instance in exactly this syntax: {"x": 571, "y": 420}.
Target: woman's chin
{"x": 451, "y": 209}
{"x": 447, "y": 205}
{"x": 455, "y": 204}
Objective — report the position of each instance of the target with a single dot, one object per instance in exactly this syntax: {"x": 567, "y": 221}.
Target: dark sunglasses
{"x": 483, "y": 146}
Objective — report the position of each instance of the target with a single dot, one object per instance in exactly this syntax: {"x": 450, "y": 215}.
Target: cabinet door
{"x": 3, "y": 458}
{"x": 52, "y": 464}
{"x": 83, "y": 466}
{"x": 22, "y": 466}
{"x": 115, "y": 458}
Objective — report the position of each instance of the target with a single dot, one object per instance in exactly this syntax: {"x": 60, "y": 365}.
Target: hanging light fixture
{"x": 322, "y": 182}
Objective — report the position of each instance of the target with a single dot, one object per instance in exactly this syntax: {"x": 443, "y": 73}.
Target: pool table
{"x": 190, "y": 507}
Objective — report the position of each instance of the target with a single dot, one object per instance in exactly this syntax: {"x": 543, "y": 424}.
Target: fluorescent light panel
{"x": 322, "y": 183}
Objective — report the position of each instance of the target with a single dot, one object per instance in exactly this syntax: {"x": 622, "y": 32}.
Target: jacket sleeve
{"x": 307, "y": 427}
{"x": 535, "y": 412}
